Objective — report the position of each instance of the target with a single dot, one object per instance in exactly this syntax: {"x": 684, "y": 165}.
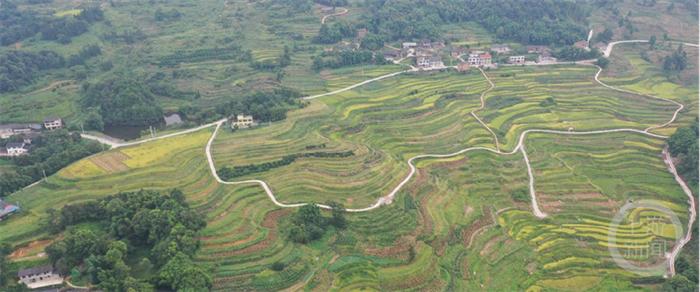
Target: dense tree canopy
{"x": 164, "y": 224}
{"x": 531, "y": 22}
{"x": 307, "y": 224}
{"x": 677, "y": 61}
{"x": 683, "y": 144}
{"x": 21, "y": 24}
{"x": 123, "y": 100}
{"x": 19, "y": 68}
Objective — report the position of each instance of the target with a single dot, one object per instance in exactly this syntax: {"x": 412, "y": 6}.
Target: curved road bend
{"x": 519, "y": 147}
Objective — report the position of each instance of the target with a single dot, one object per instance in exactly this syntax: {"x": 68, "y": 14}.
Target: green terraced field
{"x": 454, "y": 226}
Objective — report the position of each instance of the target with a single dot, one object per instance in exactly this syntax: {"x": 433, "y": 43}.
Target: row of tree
{"x": 163, "y": 224}
{"x": 683, "y": 145}
{"x": 346, "y": 58}
{"x": 48, "y": 153}
{"x": 238, "y": 171}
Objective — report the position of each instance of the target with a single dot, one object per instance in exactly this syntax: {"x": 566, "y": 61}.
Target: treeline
{"x": 19, "y": 68}
{"x": 163, "y": 224}
{"x": 264, "y": 106}
{"x": 121, "y": 100}
{"x": 232, "y": 52}
{"x": 346, "y": 58}
{"x": 532, "y": 22}
{"x": 49, "y": 153}
{"x": 308, "y": 224}
{"x": 571, "y": 53}
{"x": 238, "y": 171}
{"x": 21, "y": 24}
{"x": 683, "y": 145}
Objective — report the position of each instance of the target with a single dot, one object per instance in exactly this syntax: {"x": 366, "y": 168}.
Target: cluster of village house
{"x": 428, "y": 55}
{"x": 28, "y": 132}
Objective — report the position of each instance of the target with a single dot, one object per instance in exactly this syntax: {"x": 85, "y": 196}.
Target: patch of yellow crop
{"x": 71, "y": 12}
{"x": 155, "y": 151}
{"x": 81, "y": 169}
{"x": 570, "y": 261}
{"x": 574, "y": 283}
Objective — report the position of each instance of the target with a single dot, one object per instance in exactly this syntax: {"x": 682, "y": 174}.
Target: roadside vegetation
{"x": 51, "y": 152}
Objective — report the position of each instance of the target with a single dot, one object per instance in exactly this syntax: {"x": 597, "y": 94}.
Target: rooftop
{"x": 34, "y": 271}
{"x": 14, "y": 145}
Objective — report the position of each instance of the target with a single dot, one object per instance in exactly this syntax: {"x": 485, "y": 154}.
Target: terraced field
{"x": 456, "y": 225}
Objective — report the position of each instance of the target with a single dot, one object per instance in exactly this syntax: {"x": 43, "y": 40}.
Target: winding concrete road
{"x": 342, "y": 12}
{"x": 520, "y": 147}
{"x": 609, "y": 48}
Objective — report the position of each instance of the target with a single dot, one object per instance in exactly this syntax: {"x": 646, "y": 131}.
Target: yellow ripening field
{"x": 148, "y": 153}
{"x": 81, "y": 169}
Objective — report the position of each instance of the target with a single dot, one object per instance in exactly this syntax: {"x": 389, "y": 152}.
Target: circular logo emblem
{"x": 641, "y": 236}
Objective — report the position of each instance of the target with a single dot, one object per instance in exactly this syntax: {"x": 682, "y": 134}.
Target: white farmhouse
{"x": 242, "y": 121}
{"x": 38, "y": 277}
{"x": 16, "y": 149}
{"x": 53, "y": 123}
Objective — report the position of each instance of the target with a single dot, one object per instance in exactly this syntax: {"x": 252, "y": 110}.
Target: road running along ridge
{"x": 520, "y": 147}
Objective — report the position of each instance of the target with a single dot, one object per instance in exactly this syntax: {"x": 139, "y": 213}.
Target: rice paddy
{"x": 455, "y": 226}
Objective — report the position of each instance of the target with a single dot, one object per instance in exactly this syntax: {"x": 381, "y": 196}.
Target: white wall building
{"x": 243, "y": 121}
{"x": 16, "y": 149}
{"x": 53, "y": 123}
{"x": 38, "y": 277}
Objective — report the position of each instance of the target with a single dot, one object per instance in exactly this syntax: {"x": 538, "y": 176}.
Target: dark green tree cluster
{"x": 679, "y": 283}
{"x": 264, "y": 106}
{"x": 232, "y": 52}
{"x": 334, "y": 32}
{"x": 18, "y": 24}
{"x": 677, "y": 61}
{"x": 85, "y": 54}
{"x": 164, "y": 224}
{"x": 48, "y": 153}
{"x": 687, "y": 269}
{"x": 603, "y": 62}
{"x": 683, "y": 145}
{"x": 308, "y": 224}
{"x": 346, "y": 58}
{"x": 571, "y": 53}
{"x": 372, "y": 42}
{"x": 532, "y": 22}
{"x": 169, "y": 15}
{"x": 122, "y": 100}
{"x": 605, "y": 36}
{"x": 8, "y": 276}
{"x": 19, "y": 68}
